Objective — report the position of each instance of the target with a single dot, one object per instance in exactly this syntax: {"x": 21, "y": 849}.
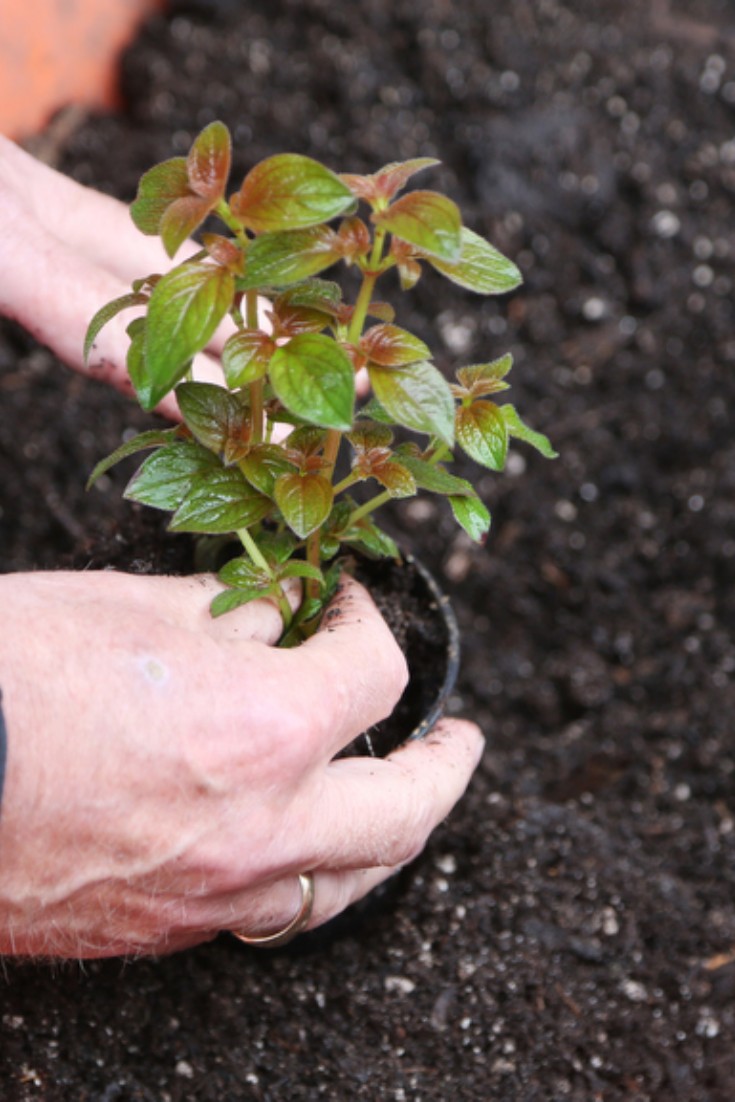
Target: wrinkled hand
{"x": 66, "y": 250}
{"x": 169, "y": 775}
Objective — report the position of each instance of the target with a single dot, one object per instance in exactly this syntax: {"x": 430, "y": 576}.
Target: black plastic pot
{"x": 425, "y": 626}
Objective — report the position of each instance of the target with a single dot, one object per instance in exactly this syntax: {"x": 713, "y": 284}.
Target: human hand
{"x": 65, "y": 250}
{"x": 169, "y": 774}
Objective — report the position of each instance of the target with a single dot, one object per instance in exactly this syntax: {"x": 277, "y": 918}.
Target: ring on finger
{"x": 298, "y": 923}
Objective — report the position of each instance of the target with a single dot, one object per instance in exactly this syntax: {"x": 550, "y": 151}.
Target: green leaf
{"x": 208, "y": 163}
{"x": 220, "y": 501}
{"x": 417, "y": 396}
{"x": 391, "y": 346}
{"x": 263, "y": 464}
{"x": 486, "y": 378}
{"x": 243, "y": 573}
{"x": 298, "y": 569}
{"x": 279, "y": 259}
{"x": 373, "y": 411}
{"x": 165, "y": 478}
{"x": 135, "y": 359}
{"x": 231, "y": 599}
{"x": 472, "y": 515}
{"x": 158, "y": 188}
{"x": 426, "y": 219}
{"x": 107, "y": 312}
{"x": 185, "y": 308}
{"x": 435, "y": 478}
{"x": 180, "y": 219}
{"x": 305, "y": 500}
{"x": 370, "y": 434}
{"x": 315, "y": 294}
{"x": 151, "y": 439}
{"x": 289, "y": 192}
{"x": 216, "y": 418}
{"x": 367, "y": 536}
{"x": 276, "y": 547}
{"x": 314, "y": 379}
{"x": 483, "y": 433}
{"x": 521, "y": 431}
{"x": 480, "y": 267}
{"x": 245, "y": 357}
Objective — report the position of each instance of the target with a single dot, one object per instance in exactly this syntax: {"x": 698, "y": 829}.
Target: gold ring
{"x": 298, "y": 923}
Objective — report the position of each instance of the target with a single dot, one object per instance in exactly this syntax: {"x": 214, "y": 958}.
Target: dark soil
{"x": 570, "y": 932}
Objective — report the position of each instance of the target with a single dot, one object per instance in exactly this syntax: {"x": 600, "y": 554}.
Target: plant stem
{"x": 367, "y": 507}
{"x": 347, "y": 481}
{"x": 253, "y": 550}
{"x": 366, "y": 291}
{"x": 256, "y": 388}
{"x": 223, "y": 211}
{"x": 313, "y": 556}
{"x": 255, "y": 554}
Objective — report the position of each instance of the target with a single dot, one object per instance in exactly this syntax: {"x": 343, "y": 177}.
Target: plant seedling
{"x": 255, "y": 459}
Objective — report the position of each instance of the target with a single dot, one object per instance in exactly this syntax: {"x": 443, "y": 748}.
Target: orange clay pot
{"x": 57, "y": 52}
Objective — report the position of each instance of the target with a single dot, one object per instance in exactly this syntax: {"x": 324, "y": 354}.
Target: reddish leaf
{"x": 158, "y": 188}
{"x": 290, "y": 320}
{"x": 429, "y": 221}
{"x": 397, "y": 479}
{"x": 245, "y": 357}
{"x": 208, "y": 163}
{"x": 354, "y": 239}
{"x": 390, "y": 346}
{"x": 224, "y": 251}
{"x": 381, "y": 186}
{"x": 289, "y": 192}
{"x": 481, "y": 379}
{"x": 305, "y": 501}
{"x": 483, "y": 433}
{"x": 180, "y": 219}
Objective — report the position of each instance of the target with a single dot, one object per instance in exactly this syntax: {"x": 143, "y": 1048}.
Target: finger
{"x": 96, "y": 226}
{"x": 352, "y": 670}
{"x": 55, "y": 298}
{"x": 381, "y": 812}
{"x": 186, "y": 603}
{"x": 269, "y": 910}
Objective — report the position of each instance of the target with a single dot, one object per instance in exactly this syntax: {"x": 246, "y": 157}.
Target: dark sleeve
{"x": 3, "y": 747}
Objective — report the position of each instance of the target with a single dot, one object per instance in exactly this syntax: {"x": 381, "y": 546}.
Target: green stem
{"x": 368, "y": 507}
{"x": 366, "y": 291}
{"x": 253, "y": 550}
{"x": 223, "y": 211}
{"x": 256, "y": 555}
{"x": 347, "y": 481}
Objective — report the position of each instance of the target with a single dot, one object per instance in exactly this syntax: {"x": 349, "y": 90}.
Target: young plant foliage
{"x": 272, "y": 454}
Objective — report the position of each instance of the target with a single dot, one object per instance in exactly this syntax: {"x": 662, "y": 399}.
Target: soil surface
{"x": 570, "y": 932}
